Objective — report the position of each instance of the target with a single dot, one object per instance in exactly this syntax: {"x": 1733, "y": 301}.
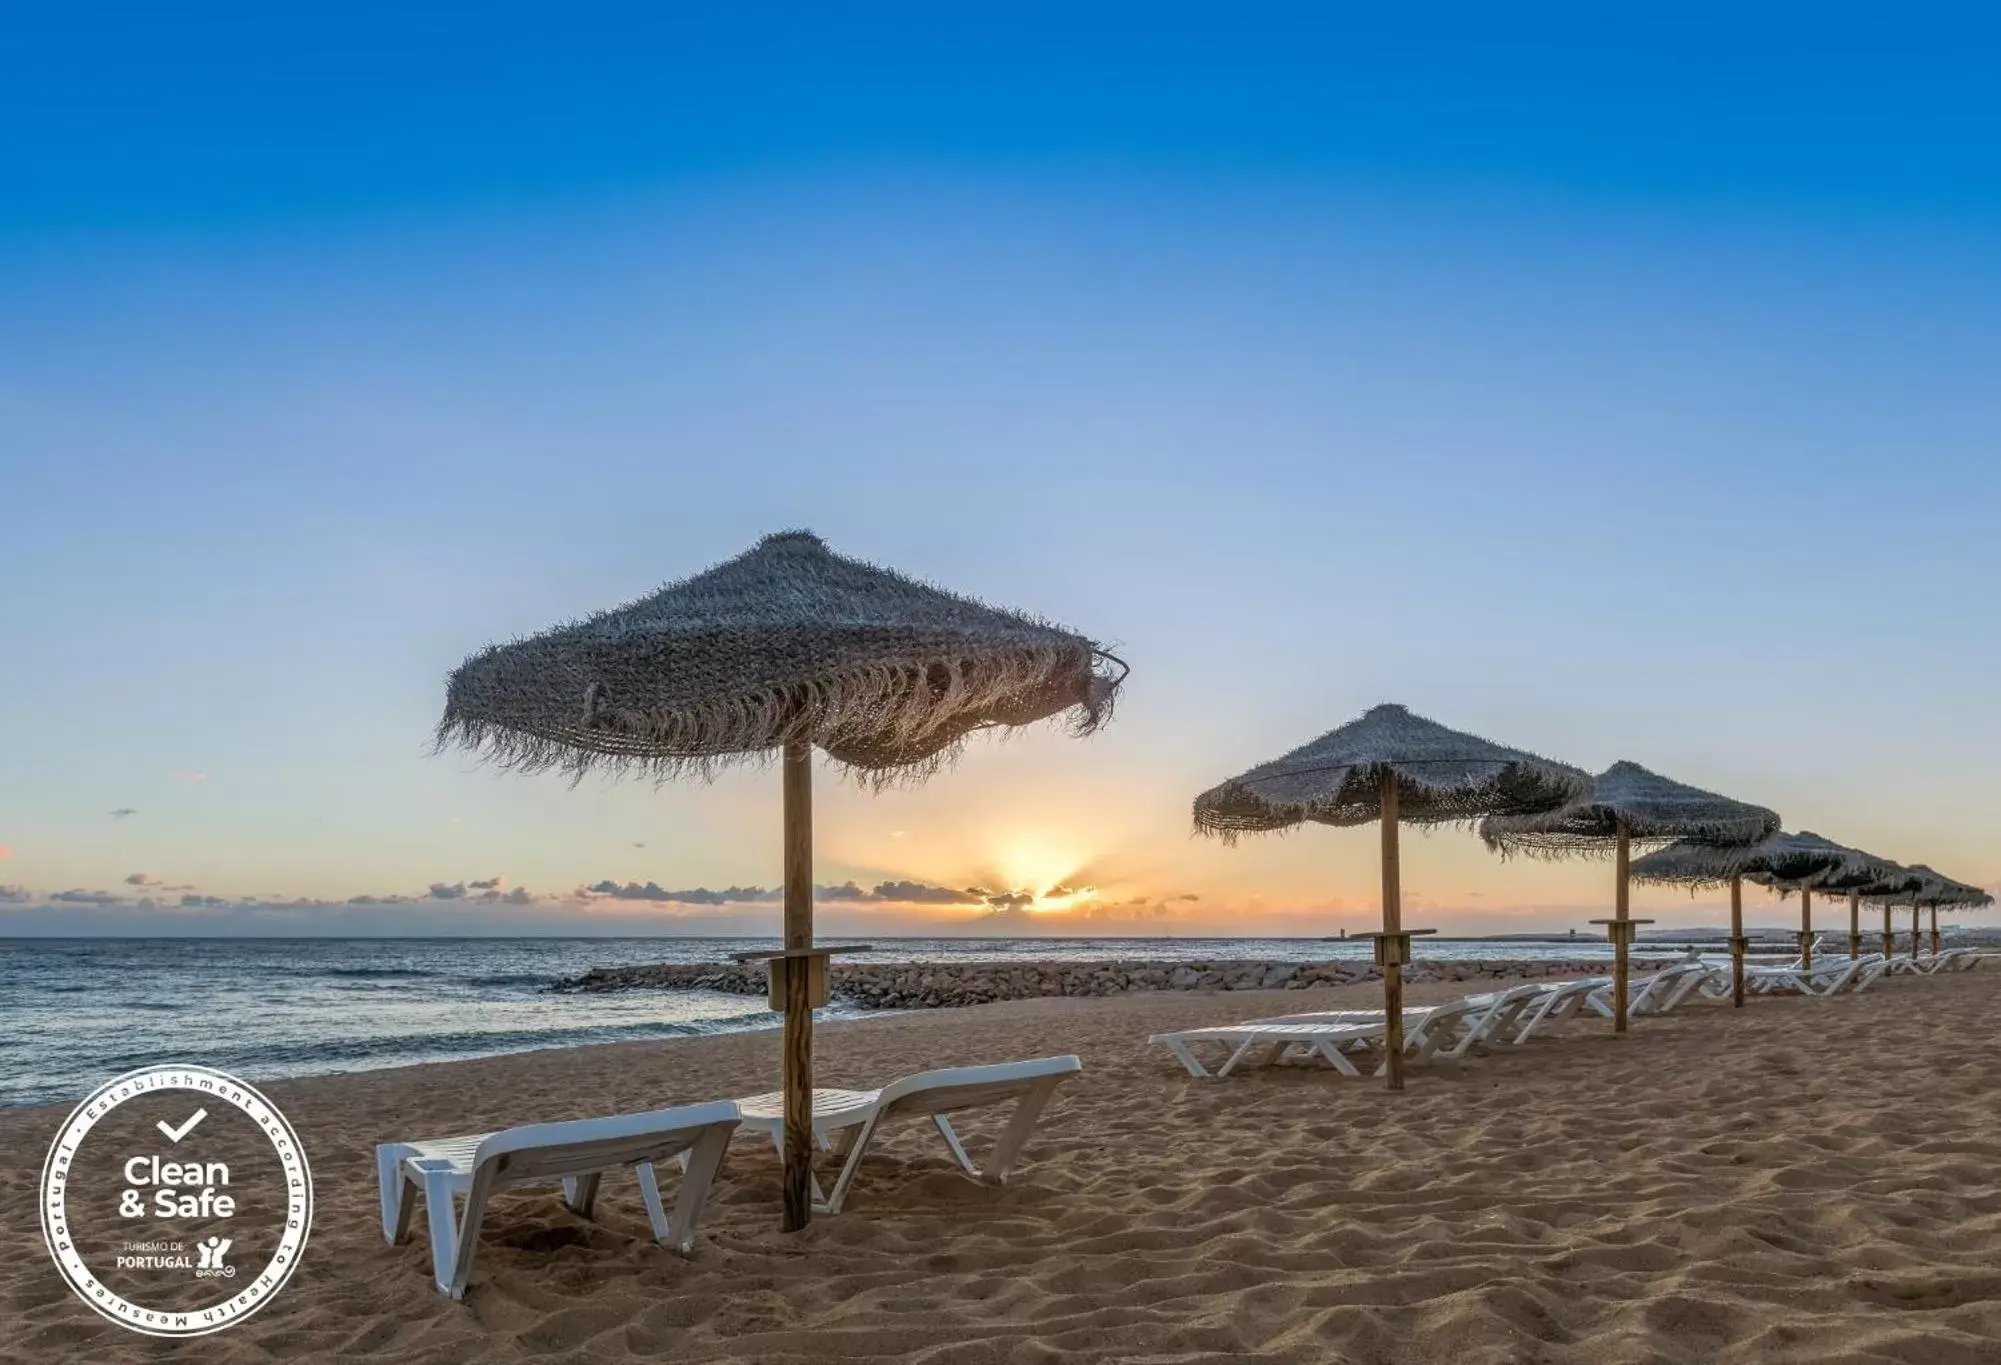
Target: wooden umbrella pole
{"x": 1889, "y": 934}
{"x": 1854, "y": 924}
{"x": 797, "y": 1082}
{"x": 1621, "y": 911}
{"x": 1392, "y": 924}
{"x": 1934, "y": 931}
{"x": 1806, "y": 929}
{"x": 1737, "y": 942}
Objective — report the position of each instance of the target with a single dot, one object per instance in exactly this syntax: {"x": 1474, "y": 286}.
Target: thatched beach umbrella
{"x": 1851, "y": 871}
{"x": 1394, "y": 767}
{"x": 1940, "y": 890}
{"x": 1896, "y": 881}
{"x": 1629, "y": 806}
{"x": 788, "y": 647}
{"x": 1784, "y": 856}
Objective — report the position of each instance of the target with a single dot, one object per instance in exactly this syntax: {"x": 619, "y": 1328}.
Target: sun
{"x": 1042, "y": 867}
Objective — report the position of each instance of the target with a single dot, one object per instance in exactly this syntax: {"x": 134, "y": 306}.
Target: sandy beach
{"x": 1803, "y": 1180}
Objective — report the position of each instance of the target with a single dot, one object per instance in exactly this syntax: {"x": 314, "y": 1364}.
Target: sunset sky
{"x": 1613, "y": 389}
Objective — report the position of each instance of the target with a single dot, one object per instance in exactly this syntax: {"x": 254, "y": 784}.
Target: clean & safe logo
{"x": 176, "y": 1200}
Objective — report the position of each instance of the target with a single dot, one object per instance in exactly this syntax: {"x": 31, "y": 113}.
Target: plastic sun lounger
{"x": 1430, "y": 1031}
{"x": 1326, "y": 1040}
{"x": 1557, "y": 1000}
{"x": 1658, "y": 993}
{"x": 1952, "y": 959}
{"x": 576, "y": 1153}
{"x": 854, "y": 1117}
{"x": 1822, "y": 980}
{"x": 1496, "y": 1016}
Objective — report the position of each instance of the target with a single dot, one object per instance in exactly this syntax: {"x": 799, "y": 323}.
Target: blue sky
{"x": 1618, "y": 389}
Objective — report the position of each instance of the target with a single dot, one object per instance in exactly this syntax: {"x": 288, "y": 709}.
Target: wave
{"x": 368, "y": 973}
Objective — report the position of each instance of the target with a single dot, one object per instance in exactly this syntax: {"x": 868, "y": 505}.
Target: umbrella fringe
{"x": 915, "y": 716}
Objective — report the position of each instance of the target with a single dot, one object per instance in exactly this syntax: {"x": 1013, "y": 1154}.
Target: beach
{"x": 1801, "y": 1180}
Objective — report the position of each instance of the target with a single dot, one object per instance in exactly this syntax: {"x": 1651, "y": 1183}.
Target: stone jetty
{"x": 932, "y": 985}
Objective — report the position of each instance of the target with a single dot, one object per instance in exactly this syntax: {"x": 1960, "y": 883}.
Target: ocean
{"x": 75, "y": 1012}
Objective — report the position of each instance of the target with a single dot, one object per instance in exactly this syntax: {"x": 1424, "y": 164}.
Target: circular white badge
{"x": 172, "y": 1182}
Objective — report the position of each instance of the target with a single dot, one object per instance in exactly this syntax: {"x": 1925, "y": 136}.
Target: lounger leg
{"x": 1532, "y": 1017}
{"x": 1236, "y": 1057}
{"x": 1333, "y": 1056}
{"x": 441, "y": 1219}
{"x": 469, "y": 1221}
{"x": 848, "y": 1167}
{"x": 944, "y": 1126}
{"x": 1015, "y": 1136}
{"x": 705, "y": 1159}
{"x": 580, "y": 1192}
{"x": 1185, "y": 1057}
{"x": 399, "y": 1196}
{"x": 649, "y": 1195}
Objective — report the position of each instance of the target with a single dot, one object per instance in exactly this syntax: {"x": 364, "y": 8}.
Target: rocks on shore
{"x": 931, "y": 985}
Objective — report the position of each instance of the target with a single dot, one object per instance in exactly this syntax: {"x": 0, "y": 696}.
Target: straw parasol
{"x": 1897, "y": 881}
{"x": 1392, "y": 766}
{"x": 1849, "y": 872}
{"x": 1783, "y": 862}
{"x": 788, "y": 647}
{"x": 1936, "y": 890}
{"x": 1630, "y": 805}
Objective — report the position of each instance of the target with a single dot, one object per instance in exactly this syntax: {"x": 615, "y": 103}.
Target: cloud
{"x": 489, "y": 884}
{"x": 182, "y": 775}
{"x": 80, "y": 897}
{"x": 142, "y": 879}
{"x": 122, "y": 812}
{"x": 698, "y": 895}
{"x": 447, "y": 891}
{"x": 923, "y": 893}
{"x": 14, "y": 895}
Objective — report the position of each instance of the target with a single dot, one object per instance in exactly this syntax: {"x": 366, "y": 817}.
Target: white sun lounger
{"x": 1330, "y": 1036}
{"x": 1657, "y": 993}
{"x": 1556, "y": 1000}
{"x": 1296, "y": 1038}
{"x": 1502, "y": 1016}
{"x": 854, "y": 1117}
{"x": 1823, "y": 979}
{"x": 576, "y": 1153}
{"x": 1428, "y": 1030}
{"x": 1951, "y": 960}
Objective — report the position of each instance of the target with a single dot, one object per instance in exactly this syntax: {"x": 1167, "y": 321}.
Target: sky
{"x": 1612, "y": 386}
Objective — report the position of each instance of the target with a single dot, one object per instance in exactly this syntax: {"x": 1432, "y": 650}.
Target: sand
{"x": 1799, "y": 1181}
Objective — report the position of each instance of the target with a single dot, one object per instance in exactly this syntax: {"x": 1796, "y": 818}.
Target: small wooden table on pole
{"x": 1621, "y": 932}
{"x": 1392, "y": 954}
{"x": 797, "y": 986}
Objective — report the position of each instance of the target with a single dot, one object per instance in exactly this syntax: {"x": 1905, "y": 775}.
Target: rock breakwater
{"x": 933, "y": 985}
